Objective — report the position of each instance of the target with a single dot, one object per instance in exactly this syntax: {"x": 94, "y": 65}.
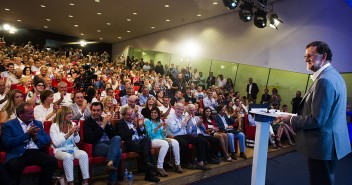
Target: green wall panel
{"x": 287, "y": 83}
{"x": 259, "y": 75}
{"x": 164, "y": 58}
{"x": 227, "y": 69}
{"x": 348, "y": 80}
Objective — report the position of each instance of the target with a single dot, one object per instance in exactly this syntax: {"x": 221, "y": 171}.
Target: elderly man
{"x": 210, "y": 102}
{"x": 24, "y": 140}
{"x": 15, "y": 78}
{"x": 180, "y": 127}
{"x": 80, "y": 108}
{"x": 132, "y": 103}
{"x": 144, "y": 96}
{"x": 135, "y": 140}
{"x": 166, "y": 109}
{"x": 62, "y": 98}
{"x": 124, "y": 99}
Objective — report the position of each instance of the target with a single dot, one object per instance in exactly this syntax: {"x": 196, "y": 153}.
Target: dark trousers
{"x": 214, "y": 146}
{"x": 5, "y": 178}
{"x": 142, "y": 147}
{"x": 321, "y": 172}
{"x": 47, "y": 163}
{"x": 201, "y": 147}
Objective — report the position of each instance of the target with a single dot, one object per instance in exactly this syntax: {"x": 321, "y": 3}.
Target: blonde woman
{"x": 8, "y": 111}
{"x": 64, "y": 136}
{"x": 109, "y": 108}
{"x": 26, "y": 84}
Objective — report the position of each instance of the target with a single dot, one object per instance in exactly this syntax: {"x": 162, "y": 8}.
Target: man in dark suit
{"x": 24, "y": 141}
{"x": 99, "y": 132}
{"x": 155, "y": 90}
{"x": 252, "y": 91}
{"x": 210, "y": 80}
{"x": 132, "y": 132}
{"x": 322, "y": 133}
{"x": 266, "y": 97}
{"x": 296, "y": 101}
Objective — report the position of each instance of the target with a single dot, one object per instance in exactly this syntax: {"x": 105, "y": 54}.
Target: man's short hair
{"x": 97, "y": 104}
{"x": 124, "y": 110}
{"x": 21, "y": 106}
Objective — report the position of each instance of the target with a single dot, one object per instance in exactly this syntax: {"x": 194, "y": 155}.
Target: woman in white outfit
{"x": 64, "y": 135}
{"x": 156, "y": 131}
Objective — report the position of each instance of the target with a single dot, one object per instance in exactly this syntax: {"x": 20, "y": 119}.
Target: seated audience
{"x": 80, "y": 108}
{"x": 33, "y": 96}
{"x": 226, "y": 124}
{"x": 24, "y": 140}
{"x": 281, "y": 128}
{"x": 176, "y": 98}
{"x": 99, "y": 132}
{"x": 159, "y": 98}
{"x": 109, "y": 108}
{"x": 211, "y": 128}
{"x": 124, "y": 99}
{"x": 64, "y": 136}
{"x": 47, "y": 110}
{"x": 144, "y": 96}
{"x": 166, "y": 109}
{"x": 156, "y": 130}
{"x": 147, "y": 110}
{"x": 178, "y": 126}
{"x": 210, "y": 102}
{"x": 8, "y": 110}
{"x": 62, "y": 97}
{"x": 133, "y": 135}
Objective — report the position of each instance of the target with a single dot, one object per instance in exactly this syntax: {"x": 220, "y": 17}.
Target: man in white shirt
{"x": 18, "y": 63}
{"x": 166, "y": 109}
{"x": 210, "y": 102}
{"x": 62, "y": 97}
{"x": 240, "y": 108}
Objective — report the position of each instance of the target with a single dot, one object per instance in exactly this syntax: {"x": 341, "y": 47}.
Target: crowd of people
{"x": 142, "y": 104}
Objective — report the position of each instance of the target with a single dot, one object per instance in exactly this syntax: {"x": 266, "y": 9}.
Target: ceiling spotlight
{"x": 6, "y": 27}
{"x": 246, "y": 12}
{"x": 231, "y": 4}
{"x": 83, "y": 43}
{"x": 260, "y": 18}
{"x": 274, "y": 20}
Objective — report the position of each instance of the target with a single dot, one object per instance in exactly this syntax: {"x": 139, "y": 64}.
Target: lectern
{"x": 263, "y": 118}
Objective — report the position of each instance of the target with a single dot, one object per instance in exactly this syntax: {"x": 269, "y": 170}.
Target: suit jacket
{"x": 126, "y": 133}
{"x": 220, "y": 124}
{"x": 15, "y": 140}
{"x": 254, "y": 90}
{"x": 93, "y": 131}
{"x": 77, "y": 115}
{"x": 321, "y": 119}
{"x": 152, "y": 92}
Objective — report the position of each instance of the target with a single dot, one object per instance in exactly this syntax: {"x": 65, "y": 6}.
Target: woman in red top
{"x": 210, "y": 125}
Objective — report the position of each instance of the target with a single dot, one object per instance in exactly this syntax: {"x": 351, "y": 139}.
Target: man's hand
{"x": 33, "y": 131}
{"x": 106, "y": 119}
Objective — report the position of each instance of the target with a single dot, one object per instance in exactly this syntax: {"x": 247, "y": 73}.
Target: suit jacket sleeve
{"x": 123, "y": 131}
{"x": 92, "y": 131}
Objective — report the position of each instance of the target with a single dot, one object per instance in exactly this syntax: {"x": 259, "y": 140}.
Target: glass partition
{"x": 259, "y": 75}
{"x": 287, "y": 83}
{"x": 227, "y": 69}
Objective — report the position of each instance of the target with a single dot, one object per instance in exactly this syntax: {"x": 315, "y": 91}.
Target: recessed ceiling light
{"x": 70, "y": 16}
{"x": 119, "y": 37}
{"x": 134, "y": 13}
{"x": 82, "y": 33}
{"x": 108, "y": 23}
{"x": 167, "y": 20}
{"x": 72, "y": 4}
{"x": 7, "y": 9}
{"x": 152, "y": 27}
{"x": 43, "y": 6}
{"x": 215, "y": 3}
{"x": 19, "y": 20}
{"x": 99, "y": 13}
{"x": 48, "y": 20}
{"x": 101, "y": 38}
{"x": 76, "y": 25}
{"x": 98, "y": 31}
{"x": 128, "y": 19}
{"x": 167, "y": 6}
{"x": 128, "y": 31}
{"x": 45, "y": 26}
{"x": 98, "y": 1}
{"x": 199, "y": 15}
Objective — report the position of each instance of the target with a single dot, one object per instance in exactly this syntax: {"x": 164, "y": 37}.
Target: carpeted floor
{"x": 287, "y": 169}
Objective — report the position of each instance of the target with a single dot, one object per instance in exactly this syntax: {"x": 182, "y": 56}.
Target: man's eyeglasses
{"x": 311, "y": 56}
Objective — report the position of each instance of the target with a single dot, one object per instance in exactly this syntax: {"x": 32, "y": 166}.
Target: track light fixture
{"x": 231, "y": 4}
{"x": 260, "y": 18}
{"x": 274, "y": 20}
{"x": 246, "y": 12}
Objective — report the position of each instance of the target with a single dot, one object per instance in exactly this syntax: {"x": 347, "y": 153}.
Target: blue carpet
{"x": 287, "y": 169}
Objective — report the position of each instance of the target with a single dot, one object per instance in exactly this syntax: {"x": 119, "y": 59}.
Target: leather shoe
{"x": 243, "y": 155}
{"x": 151, "y": 178}
{"x": 162, "y": 172}
{"x": 233, "y": 156}
{"x": 189, "y": 166}
{"x": 178, "y": 169}
{"x": 202, "y": 167}
{"x": 110, "y": 168}
{"x": 214, "y": 161}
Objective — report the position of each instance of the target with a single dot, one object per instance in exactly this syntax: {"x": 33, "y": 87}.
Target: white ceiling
{"x": 150, "y": 13}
